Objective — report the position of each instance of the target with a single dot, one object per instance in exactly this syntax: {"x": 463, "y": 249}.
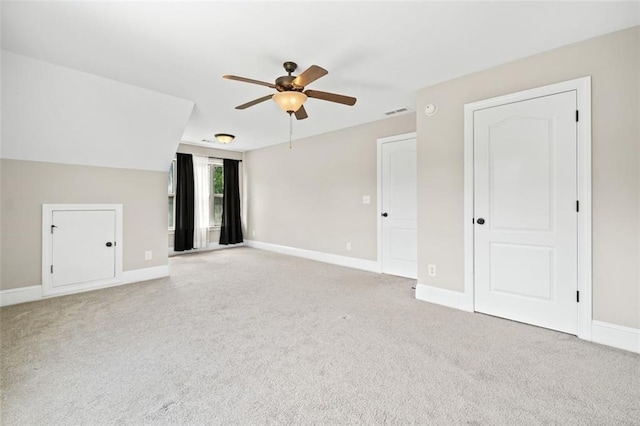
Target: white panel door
{"x": 83, "y": 246}
{"x": 399, "y": 208}
{"x": 525, "y": 192}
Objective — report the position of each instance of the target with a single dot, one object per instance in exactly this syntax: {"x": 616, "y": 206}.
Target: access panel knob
{"x": 480, "y": 221}
{"x": 109, "y": 244}
{"x": 384, "y": 215}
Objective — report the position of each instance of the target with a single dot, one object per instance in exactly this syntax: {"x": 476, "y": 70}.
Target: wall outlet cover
{"x": 432, "y": 270}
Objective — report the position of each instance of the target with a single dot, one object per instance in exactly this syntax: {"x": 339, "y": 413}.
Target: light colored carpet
{"x": 244, "y": 336}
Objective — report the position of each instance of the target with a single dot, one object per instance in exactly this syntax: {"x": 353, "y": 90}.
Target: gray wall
{"x": 612, "y": 61}
{"x": 310, "y": 196}
{"x": 26, "y": 185}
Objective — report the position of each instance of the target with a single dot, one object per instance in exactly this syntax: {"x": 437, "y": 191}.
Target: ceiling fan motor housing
{"x": 286, "y": 84}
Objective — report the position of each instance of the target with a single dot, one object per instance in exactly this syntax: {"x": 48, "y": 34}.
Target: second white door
{"x": 525, "y": 192}
{"x": 399, "y": 208}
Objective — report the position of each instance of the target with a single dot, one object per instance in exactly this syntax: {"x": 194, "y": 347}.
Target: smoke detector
{"x": 430, "y": 110}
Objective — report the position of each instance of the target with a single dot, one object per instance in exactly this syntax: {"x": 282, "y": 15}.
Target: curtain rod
{"x": 220, "y": 158}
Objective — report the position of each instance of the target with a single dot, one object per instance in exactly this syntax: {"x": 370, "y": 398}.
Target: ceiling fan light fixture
{"x": 224, "y": 138}
{"x": 289, "y": 101}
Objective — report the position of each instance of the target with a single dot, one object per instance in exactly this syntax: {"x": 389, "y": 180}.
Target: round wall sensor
{"x": 430, "y": 109}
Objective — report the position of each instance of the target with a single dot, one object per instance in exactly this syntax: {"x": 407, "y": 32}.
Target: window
{"x": 172, "y": 195}
{"x": 215, "y": 193}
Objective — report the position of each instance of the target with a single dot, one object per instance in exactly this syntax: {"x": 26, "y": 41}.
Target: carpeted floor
{"x": 244, "y": 336}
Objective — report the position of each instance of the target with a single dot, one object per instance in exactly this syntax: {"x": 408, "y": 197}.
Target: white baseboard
{"x": 210, "y": 247}
{"x": 145, "y": 274}
{"x": 34, "y": 292}
{"x": 20, "y": 295}
{"x": 441, "y": 296}
{"x": 349, "y": 262}
{"x": 618, "y": 336}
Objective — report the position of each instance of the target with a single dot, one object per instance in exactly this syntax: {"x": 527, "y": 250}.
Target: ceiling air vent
{"x": 397, "y": 111}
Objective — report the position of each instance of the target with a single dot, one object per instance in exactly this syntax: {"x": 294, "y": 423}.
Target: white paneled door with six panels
{"x": 525, "y": 232}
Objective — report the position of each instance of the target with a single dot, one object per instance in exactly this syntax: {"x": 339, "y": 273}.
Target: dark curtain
{"x": 231, "y": 230}
{"x": 183, "y": 238}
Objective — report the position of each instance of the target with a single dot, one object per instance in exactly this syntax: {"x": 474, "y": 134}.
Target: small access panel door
{"x": 83, "y": 246}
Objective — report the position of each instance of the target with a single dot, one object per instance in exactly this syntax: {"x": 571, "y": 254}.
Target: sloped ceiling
{"x": 379, "y": 52}
{"x": 56, "y": 114}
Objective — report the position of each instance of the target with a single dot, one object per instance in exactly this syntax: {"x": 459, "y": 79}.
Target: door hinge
{"x": 577, "y": 205}
{"x": 52, "y": 269}
{"x": 577, "y": 115}
{"x": 53, "y": 226}
{"x": 577, "y": 296}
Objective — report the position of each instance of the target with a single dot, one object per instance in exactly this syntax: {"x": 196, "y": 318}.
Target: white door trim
{"x": 582, "y": 87}
{"x": 381, "y": 141}
{"x": 47, "y": 284}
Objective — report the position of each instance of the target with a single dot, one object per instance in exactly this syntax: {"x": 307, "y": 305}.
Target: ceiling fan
{"x": 290, "y": 95}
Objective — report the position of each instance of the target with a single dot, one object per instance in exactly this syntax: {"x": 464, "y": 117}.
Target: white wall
{"x": 59, "y": 115}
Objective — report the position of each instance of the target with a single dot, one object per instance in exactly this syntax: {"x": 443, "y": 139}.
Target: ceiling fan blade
{"x": 249, "y": 80}
{"x": 301, "y": 113}
{"x": 310, "y": 75}
{"x": 254, "y": 102}
{"x": 331, "y": 97}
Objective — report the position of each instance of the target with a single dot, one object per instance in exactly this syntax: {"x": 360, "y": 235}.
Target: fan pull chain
{"x": 290, "y": 128}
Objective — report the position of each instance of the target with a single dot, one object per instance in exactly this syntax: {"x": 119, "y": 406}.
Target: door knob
{"x": 109, "y": 244}
{"x": 384, "y": 214}
{"x": 480, "y": 221}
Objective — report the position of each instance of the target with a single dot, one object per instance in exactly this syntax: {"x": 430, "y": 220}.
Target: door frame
{"x": 382, "y": 141}
{"x": 582, "y": 87}
{"x": 47, "y": 249}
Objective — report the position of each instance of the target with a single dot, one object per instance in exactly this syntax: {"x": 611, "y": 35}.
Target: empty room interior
{"x": 320, "y": 212}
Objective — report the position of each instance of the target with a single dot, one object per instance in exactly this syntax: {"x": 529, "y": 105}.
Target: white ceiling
{"x": 379, "y": 52}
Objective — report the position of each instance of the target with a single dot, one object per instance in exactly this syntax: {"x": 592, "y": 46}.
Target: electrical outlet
{"x": 348, "y": 246}
{"x": 366, "y": 199}
{"x": 432, "y": 270}
{"x": 148, "y": 255}
{"x": 253, "y": 233}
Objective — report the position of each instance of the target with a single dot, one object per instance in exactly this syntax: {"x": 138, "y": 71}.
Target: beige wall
{"x": 612, "y": 61}
{"x": 310, "y": 196}
{"x": 26, "y": 185}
